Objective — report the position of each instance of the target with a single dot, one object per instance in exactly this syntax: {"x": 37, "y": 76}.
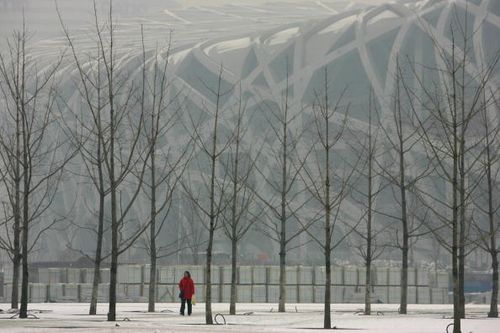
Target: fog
{"x": 43, "y": 23}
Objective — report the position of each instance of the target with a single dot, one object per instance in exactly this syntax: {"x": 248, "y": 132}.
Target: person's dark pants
{"x": 183, "y": 306}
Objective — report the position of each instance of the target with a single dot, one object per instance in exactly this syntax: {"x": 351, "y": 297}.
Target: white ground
{"x": 263, "y": 318}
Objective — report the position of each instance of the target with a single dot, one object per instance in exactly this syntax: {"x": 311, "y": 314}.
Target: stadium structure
{"x": 358, "y": 45}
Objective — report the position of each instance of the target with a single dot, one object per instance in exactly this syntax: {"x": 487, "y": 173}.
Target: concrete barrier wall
{"x": 258, "y": 284}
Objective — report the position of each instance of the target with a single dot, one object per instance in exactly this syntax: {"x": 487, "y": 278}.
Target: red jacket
{"x": 186, "y": 286}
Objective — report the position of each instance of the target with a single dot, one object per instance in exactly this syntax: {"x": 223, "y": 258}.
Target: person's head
{"x": 187, "y": 274}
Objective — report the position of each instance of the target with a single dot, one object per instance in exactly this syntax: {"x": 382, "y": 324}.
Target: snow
{"x": 57, "y": 317}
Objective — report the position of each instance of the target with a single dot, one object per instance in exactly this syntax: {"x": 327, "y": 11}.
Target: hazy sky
{"x": 42, "y": 19}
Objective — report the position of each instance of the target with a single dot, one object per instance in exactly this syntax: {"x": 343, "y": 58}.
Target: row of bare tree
{"x": 432, "y": 145}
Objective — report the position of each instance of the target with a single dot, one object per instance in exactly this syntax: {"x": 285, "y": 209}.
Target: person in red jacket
{"x": 186, "y": 287}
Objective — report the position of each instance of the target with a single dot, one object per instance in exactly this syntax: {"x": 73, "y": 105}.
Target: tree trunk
{"x": 152, "y": 282}
{"x": 328, "y": 279}
{"x": 112, "y": 178}
{"x": 208, "y": 268}
{"x": 208, "y": 280}
{"x": 456, "y": 297}
{"x": 95, "y": 286}
{"x": 24, "y": 283}
{"x": 16, "y": 262}
{"x": 282, "y": 237}
{"x": 454, "y": 249}
{"x": 461, "y": 276}
{"x": 25, "y": 275}
{"x": 327, "y": 322}
{"x": 98, "y": 256}
{"x": 368, "y": 303}
{"x": 234, "y": 258}
{"x": 454, "y": 258}
{"x": 114, "y": 204}
{"x": 368, "y": 259}
{"x": 455, "y": 275}
{"x": 494, "y": 291}
{"x": 235, "y": 219}
{"x": 212, "y": 216}
{"x": 461, "y": 241}
{"x": 114, "y": 242}
{"x": 102, "y": 196}
{"x": 463, "y": 174}
{"x": 282, "y": 296}
{"x": 403, "y": 308}
{"x": 493, "y": 239}
{"x": 16, "y": 258}
{"x": 492, "y": 225}
{"x": 23, "y": 313}
{"x": 152, "y": 232}
{"x": 113, "y": 276}
{"x": 455, "y": 207}
{"x": 404, "y": 216}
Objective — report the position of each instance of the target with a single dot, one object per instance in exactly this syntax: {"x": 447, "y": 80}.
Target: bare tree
{"x": 34, "y": 150}
{"x": 486, "y": 201}
{"x": 161, "y": 118}
{"x": 282, "y": 195}
{"x": 445, "y": 111}
{"x": 122, "y": 149}
{"x": 402, "y": 136}
{"x": 90, "y": 138}
{"x": 10, "y": 153}
{"x": 212, "y": 145}
{"x": 10, "y": 174}
{"x": 369, "y": 248}
{"x": 241, "y": 214}
{"x": 327, "y": 179}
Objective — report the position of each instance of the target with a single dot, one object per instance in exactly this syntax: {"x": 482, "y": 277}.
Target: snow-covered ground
{"x": 251, "y": 318}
